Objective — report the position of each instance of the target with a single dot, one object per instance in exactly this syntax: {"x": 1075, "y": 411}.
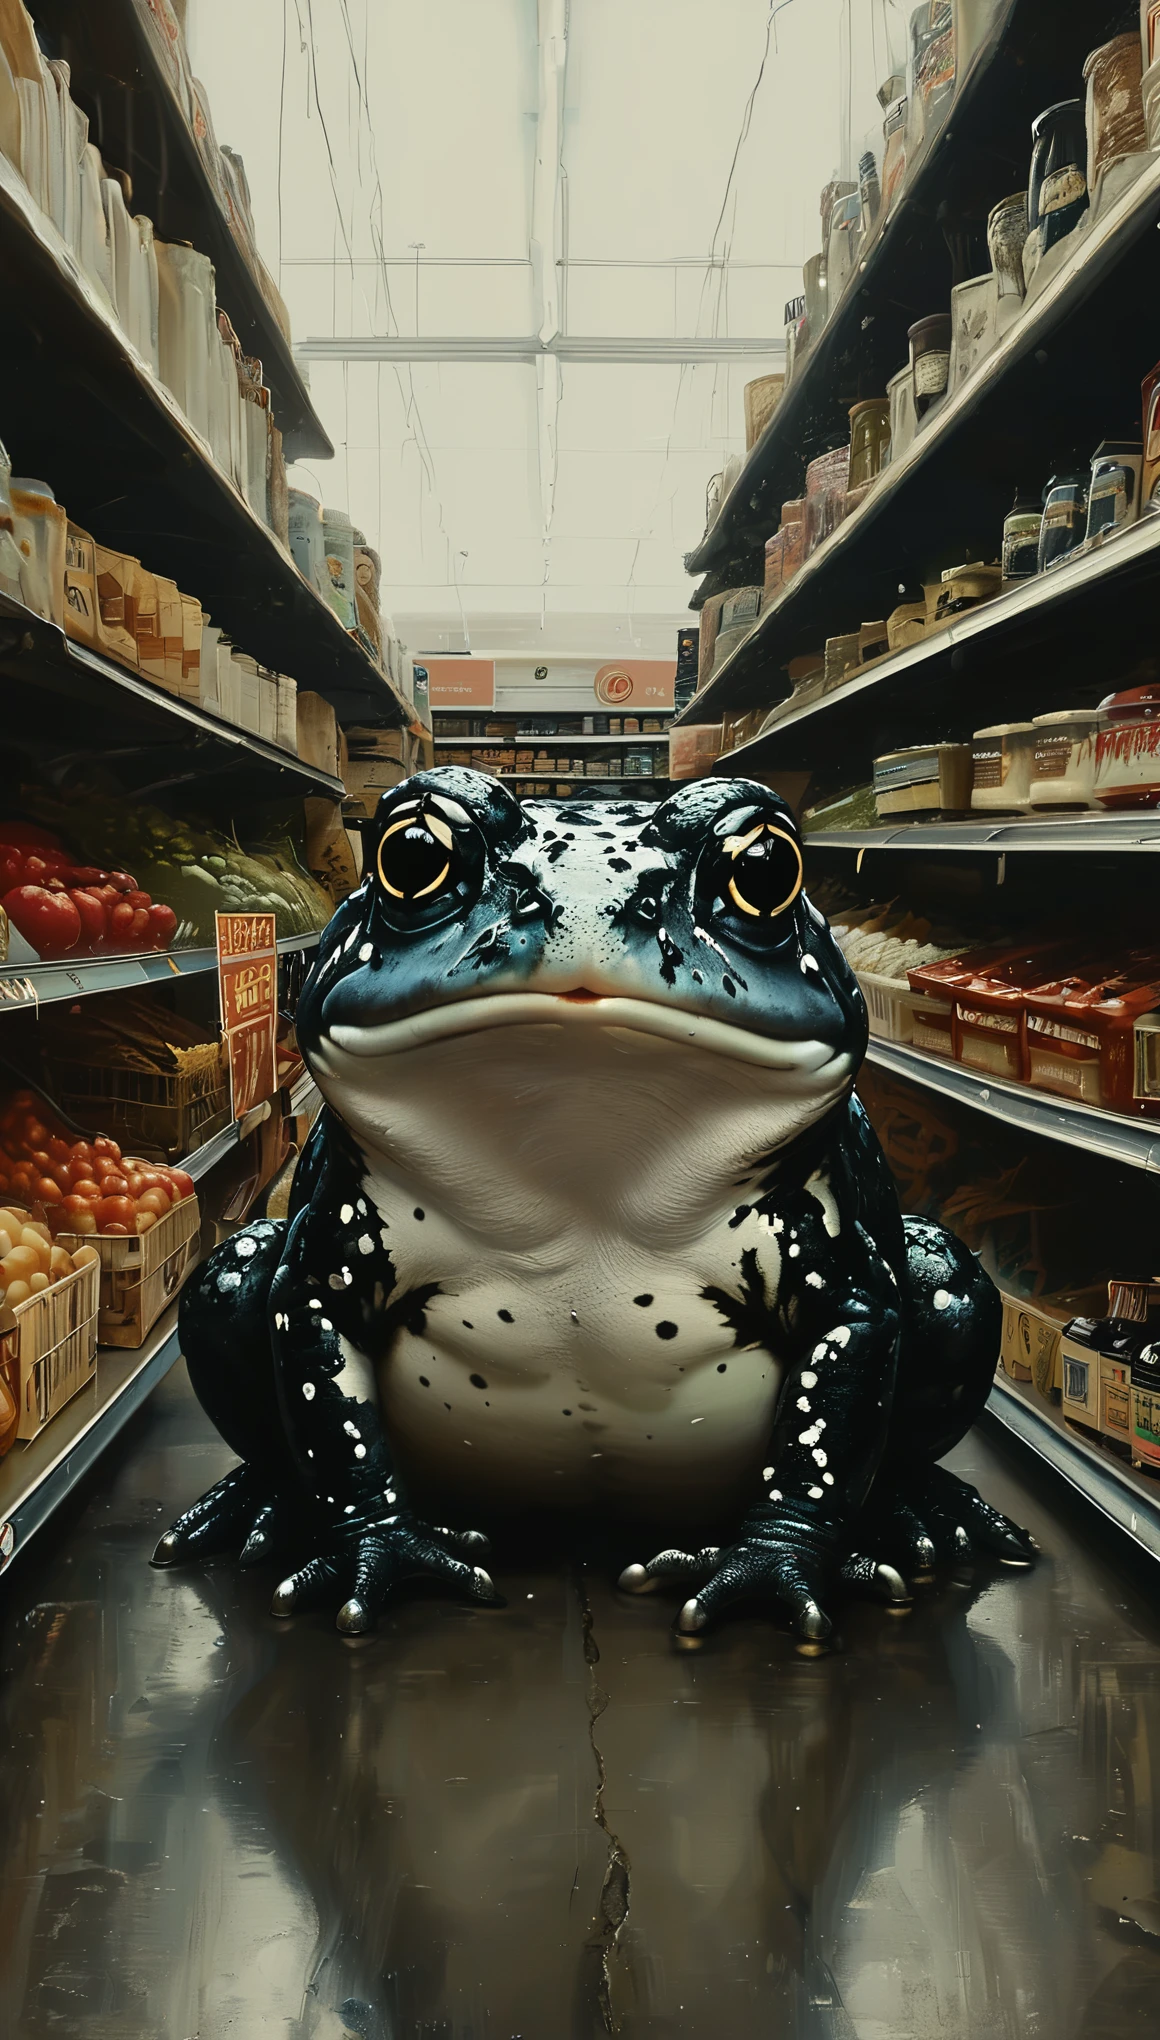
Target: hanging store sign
{"x": 636, "y": 683}
{"x": 460, "y": 683}
{"x": 248, "y": 989}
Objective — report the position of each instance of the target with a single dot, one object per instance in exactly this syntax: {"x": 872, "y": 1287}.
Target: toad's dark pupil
{"x": 411, "y": 860}
{"x": 767, "y": 874}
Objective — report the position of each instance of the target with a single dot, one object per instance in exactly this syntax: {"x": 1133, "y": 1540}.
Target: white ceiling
{"x": 537, "y": 502}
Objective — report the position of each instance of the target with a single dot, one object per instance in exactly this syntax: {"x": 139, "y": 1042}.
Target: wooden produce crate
{"x": 141, "y": 1274}
{"x": 163, "y": 1117}
{"x": 48, "y": 1348}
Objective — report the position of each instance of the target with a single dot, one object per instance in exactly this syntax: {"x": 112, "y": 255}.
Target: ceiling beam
{"x": 564, "y": 346}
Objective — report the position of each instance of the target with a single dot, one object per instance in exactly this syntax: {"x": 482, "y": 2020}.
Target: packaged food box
{"x": 693, "y": 750}
{"x": 1096, "y": 1356}
{"x": 923, "y": 779}
{"x": 1001, "y": 768}
{"x": 114, "y": 575}
{"x": 1127, "y": 773}
{"x": 1032, "y": 1330}
{"x": 1063, "y": 758}
{"x": 80, "y": 587}
{"x": 1146, "y": 1409}
{"x": 986, "y": 990}
{"x": 1082, "y": 1036}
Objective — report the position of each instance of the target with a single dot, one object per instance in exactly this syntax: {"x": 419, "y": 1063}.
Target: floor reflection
{"x": 217, "y": 1825}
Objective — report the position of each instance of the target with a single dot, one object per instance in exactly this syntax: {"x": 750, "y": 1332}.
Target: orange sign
{"x": 461, "y": 683}
{"x": 248, "y": 990}
{"x": 641, "y": 683}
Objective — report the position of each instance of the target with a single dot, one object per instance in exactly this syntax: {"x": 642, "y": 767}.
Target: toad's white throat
{"x": 557, "y": 1135}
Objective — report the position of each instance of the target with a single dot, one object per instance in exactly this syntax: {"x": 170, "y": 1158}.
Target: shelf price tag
{"x": 248, "y": 990}
{"x": 18, "y": 991}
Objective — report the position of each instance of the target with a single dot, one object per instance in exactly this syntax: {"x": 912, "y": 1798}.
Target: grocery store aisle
{"x": 212, "y": 1825}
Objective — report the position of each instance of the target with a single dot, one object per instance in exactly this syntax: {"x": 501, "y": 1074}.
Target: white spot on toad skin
{"x": 390, "y": 1495}
{"x": 336, "y": 1281}
{"x": 840, "y": 1336}
{"x": 809, "y": 1437}
{"x": 280, "y": 1322}
{"x": 349, "y": 1509}
{"x": 775, "y": 1494}
{"x": 360, "y": 1207}
{"x": 803, "y": 1403}
{"x": 244, "y": 1248}
{"x": 360, "y": 1451}
{"x": 777, "y": 1225}
{"x": 819, "y": 1352}
{"x": 942, "y": 1299}
{"x": 809, "y": 963}
{"x": 326, "y": 1324}
{"x": 794, "y": 1252}
{"x": 815, "y": 1280}
{"x": 352, "y": 1430}
{"x": 829, "y": 1479}
{"x": 230, "y": 1280}
{"x": 366, "y": 1245}
{"x": 366, "y": 952}
{"x": 315, "y": 1303}
{"x": 309, "y": 1391}
{"x": 819, "y": 1456}
{"x": 346, "y": 1213}
{"x": 767, "y": 1473}
{"x": 815, "y": 1494}
{"x": 350, "y": 940}
{"x": 809, "y": 1380}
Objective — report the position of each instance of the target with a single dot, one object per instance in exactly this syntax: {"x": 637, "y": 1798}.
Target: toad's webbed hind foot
{"x": 932, "y": 1517}
{"x": 240, "y": 1515}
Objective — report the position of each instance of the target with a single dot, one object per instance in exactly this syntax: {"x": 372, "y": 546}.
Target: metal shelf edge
{"x": 49, "y": 1480}
{"x": 1095, "y": 1474}
{"x": 1116, "y": 834}
{"x": 1134, "y": 1143}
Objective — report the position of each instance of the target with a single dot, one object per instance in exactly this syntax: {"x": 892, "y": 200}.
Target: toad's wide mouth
{"x": 587, "y": 1009}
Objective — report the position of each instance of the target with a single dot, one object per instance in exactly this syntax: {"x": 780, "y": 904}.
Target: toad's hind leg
{"x": 225, "y": 1339}
{"x": 917, "y": 1511}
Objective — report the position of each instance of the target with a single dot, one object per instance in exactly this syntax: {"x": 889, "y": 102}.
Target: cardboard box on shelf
{"x": 80, "y": 587}
{"x": 192, "y": 625}
{"x": 317, "y": 733}
{"x": 114, "y": 579}
{"x": 693, "y": 750}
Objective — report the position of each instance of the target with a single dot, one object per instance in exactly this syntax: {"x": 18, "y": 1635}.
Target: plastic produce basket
{"x": 50, "y": 1349}
{"x": 169, "y": 1116}
{"x": 142, "y": 1273}
{"x": 890, "y": 1006}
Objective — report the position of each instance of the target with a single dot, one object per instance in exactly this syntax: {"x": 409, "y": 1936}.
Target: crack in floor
{"x": 615, "y": 1889}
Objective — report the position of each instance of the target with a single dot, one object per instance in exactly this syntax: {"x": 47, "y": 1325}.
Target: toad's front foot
{"x": 243, "y": 1513}
{"x": 782, "y": 1557}
{"x": 360, "y": 1566}
{"x": 920, "y": 1520}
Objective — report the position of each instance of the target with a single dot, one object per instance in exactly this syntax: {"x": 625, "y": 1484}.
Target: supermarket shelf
{"x": 35, "y": 1478}
{"x": 1003, "y": 422}
{"x": 1030, "y": 58}
{"x": 1129, "y": 1500}
{"x": 120, "y": 80}
{"x": 1066, "y": 834}
{"x": 176, "y": 740}
{"x": 43, "y": 984}
{"x": 93, "y": 420}
{"x": 1133, "y": 1142}
{"x": 304, "y": 1094}
{"x": 505, "y": 742}
{"x": 968, "y": 659}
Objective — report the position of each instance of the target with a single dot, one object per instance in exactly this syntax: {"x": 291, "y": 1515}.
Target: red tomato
{"x": 74, "y": 1202}
{"x": 162, "y": 925}
{"x": 86, "y": 1188}
{"x": 94, "y": 917}
{"x": 181, "y": 1181}
{"x": 103, "y": 1145}
{"x": 48, "y": 1191}
{"x": 49, "y": 920}
{"x": 120, "y": 925}
{"x": 116, "y": 1211}
{"x": 113, "y": 1183}
{"x": 139, "y": 933}
{"x": 157, "y": 1201}
{"x": 58, "y": 1148}
{"x": 122, "y": 881}
{"x": 138, "y": 899}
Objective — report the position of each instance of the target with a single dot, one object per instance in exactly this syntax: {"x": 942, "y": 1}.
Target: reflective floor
{"x": 213, "y": 1824}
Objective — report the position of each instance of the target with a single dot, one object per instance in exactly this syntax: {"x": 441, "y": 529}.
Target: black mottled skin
{"x": 896, "y": 1380}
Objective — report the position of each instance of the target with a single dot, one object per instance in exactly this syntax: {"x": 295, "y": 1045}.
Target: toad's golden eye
{"x": 415, "y": 857}
{"x": 764, "y": 871}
